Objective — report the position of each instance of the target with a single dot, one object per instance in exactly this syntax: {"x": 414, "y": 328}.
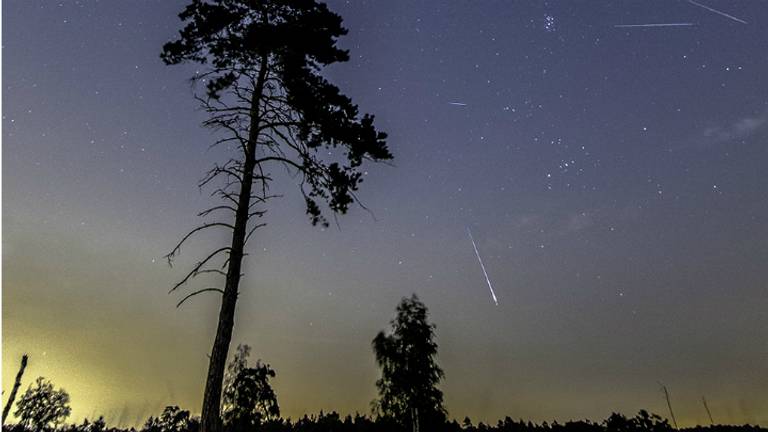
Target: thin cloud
{"x": 579, "y": 221}
{"x": 740, "y": 129}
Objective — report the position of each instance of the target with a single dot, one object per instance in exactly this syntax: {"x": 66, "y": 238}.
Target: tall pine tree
{"x": 261, "y": 63}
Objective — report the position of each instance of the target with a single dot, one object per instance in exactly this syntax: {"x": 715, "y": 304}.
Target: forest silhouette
{"x": 409, "y": 398}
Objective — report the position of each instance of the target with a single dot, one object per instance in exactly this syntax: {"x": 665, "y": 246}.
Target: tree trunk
{"x": 15, "y": 389}
{"x": 210, "y": 418}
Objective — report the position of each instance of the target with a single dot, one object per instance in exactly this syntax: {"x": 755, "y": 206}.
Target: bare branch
{"x": 196, "y": 270}
{"x": 231, "y": 169}
{"x": 217, "y": 271}
{"x": 212, "y": 209}
{"x": 224, "y": 194}
{"x": 282, "y": 160}
{"x": 198, "y": 292}
{"x": 252, "y": 230}
{"x": 363, "y": 206}
{"x": 176, "y": 249}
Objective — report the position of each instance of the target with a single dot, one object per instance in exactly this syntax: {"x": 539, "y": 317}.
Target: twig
{"x": 704, "y": 400}
{"x": 669, "y": 404}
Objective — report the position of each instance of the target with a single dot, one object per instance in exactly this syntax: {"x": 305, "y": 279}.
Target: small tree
{"x": 251, "y": 398}
{"x": 236, "y": 365}
{"x": 642, "y": 422}
{"x": 41, "y": 406}
{"x": 172, "y": 419}
{"x": 98, "y": 425}
{"x": 409, "y": 373}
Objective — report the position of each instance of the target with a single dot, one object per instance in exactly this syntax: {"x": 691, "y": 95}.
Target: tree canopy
{"x": 253, "y": 399}
{"x": 42, "y": 406}
{"x": 286, "y": 43}
{"x": 172, "y": 419}
{"x": 409, "y": 372}
{"x": 238, "y": 362}
{"x": 248, "y": 398}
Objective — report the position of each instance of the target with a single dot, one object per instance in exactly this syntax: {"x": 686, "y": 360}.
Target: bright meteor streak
{"x": 488, "y": 280}
{"x": 713, "y": 10}
{"x": 655, "y": 25}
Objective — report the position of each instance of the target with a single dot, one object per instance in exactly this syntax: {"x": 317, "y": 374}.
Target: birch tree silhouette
{"x": 261, "y": 67}
{"x": 409, "y": 371}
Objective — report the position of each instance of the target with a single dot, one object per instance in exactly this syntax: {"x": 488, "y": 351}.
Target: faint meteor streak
{"x": 721, "y": 13}
{"x": 655, "y": 25}
{"x": 457, "y": 103}
{"x": 480, "y": 260}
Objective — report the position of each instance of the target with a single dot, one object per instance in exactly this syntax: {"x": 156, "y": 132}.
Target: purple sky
{"x": 613, "y": 179}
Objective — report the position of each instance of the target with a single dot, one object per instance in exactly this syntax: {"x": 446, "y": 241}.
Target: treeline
{"x": 174, "y": 419}
{"x": 409, "y": 398}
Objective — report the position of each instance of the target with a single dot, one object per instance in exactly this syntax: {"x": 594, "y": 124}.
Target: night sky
{"x": 613, "y": 179}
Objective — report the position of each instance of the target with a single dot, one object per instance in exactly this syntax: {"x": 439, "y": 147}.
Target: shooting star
{"x": 457, "y": 103}
{"x": 655, "y": 25}
{"x": 488, "y": 280}
{"x": 721, "y": 13}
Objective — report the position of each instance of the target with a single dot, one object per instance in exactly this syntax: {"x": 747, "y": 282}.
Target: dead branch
{"x": 252, "y": 230}
{"x": 669, "y": 404}
{"x": 196, "y": 270}
{"x": 176, "y": 249}
{"x": 198, "y": 292}
{"x": 212, "y": 209}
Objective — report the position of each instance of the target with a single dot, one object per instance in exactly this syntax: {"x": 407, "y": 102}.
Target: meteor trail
{"x": 716, "y": 11}
{"x": 655, "y": 25}
{"x": 493, "y": 294}
{"x": 457, "y": 103}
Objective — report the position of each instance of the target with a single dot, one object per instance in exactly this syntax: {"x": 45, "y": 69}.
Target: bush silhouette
{"x": 42, "y": 407}
{"x": 173, "y": 419}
